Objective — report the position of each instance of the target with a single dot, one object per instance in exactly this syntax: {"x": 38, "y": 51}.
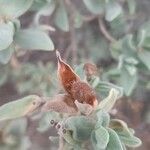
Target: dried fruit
{"x": 65, "y": 74}
{"x": 77, "y": 89}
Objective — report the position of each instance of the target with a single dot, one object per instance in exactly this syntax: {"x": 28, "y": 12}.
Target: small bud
{"x": 90, "y": 69}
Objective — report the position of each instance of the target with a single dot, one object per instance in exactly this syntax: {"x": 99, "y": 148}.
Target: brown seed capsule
{"x": 65, "y": 74}
{"x": 77, "y": 89}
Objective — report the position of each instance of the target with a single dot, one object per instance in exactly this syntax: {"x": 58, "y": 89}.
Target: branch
{"x": 104, "y": 31}
{"x": 89, "y": 18}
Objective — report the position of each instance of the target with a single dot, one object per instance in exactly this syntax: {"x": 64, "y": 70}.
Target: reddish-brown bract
{"x": 65, "y": 74}
{"x": 77, "y": 89}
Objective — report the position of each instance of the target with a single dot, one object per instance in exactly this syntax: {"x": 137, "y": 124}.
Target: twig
{"x": 104, "y": 31}
{"x": 89, "y": 18}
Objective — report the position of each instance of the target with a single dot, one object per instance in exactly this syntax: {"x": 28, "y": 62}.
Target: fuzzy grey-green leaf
{"x": 14, "y": 8}
{"x": 114, "y": 141}
{"x": 33, "y": 39}
{"x": 95, "y": 6}
{"x": 127, "y": 81}
{"x": 130, "y": 141}
{"x": 109, "y": 101}
{"x": 103, "y": 118}
{"x": 61, "y": 17}
{"x": 6, "y": 35}
{"x": 100, "y": 138}
{"x": 113, "y": 10}
{"x": 19, "y": 108}
{"x": 144, "y": 56}
{"x": 81, "y": 127}
{"x": 6, "y": 54}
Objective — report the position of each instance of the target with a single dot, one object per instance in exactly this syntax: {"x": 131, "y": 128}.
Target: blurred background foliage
{"x": 113, "y": 34}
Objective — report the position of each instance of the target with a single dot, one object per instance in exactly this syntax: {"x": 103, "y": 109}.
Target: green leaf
{"x": 131, "y": 60}
{"x": 119, "y": 125}
{"x": 33, "y": 39}
{"x": 116, "y": 48}
{"x": 14, "y": 8}
{"x": 118, "y": 26}
{"x": 19, "y": 108}
{"x": 131, "y": 6}
{"x": 17, "y": 24}
{"x": 95, "y": 6}
{"x": 104, "y": 87}
{"x": 113, "y": 10}
{"x": 144, "y": 56}
{"x": 127, "y": 81}
{"x": 80, "y": 126}
{"x": 132, "y": 70}
{"x": 103, "y": 119}
{"x": 141, "y": 37}
{"x": 46, "y": 10}
{"x": 128, "y": 46}
{"x": 130, "y": 141}
{"x": 95, "y": 81}
{"x": 114, "y": 141}
{"x": 6, "y": 35}
{"x": 100, "y": 138}
{"x": 69, "y": 139}
{"x": 61, "y": 17}
{"x": 38, "y": 4}
{"x": 109, "y": 101}
{"x": 6, "y": 54}
{"x": 125, "y": 134}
